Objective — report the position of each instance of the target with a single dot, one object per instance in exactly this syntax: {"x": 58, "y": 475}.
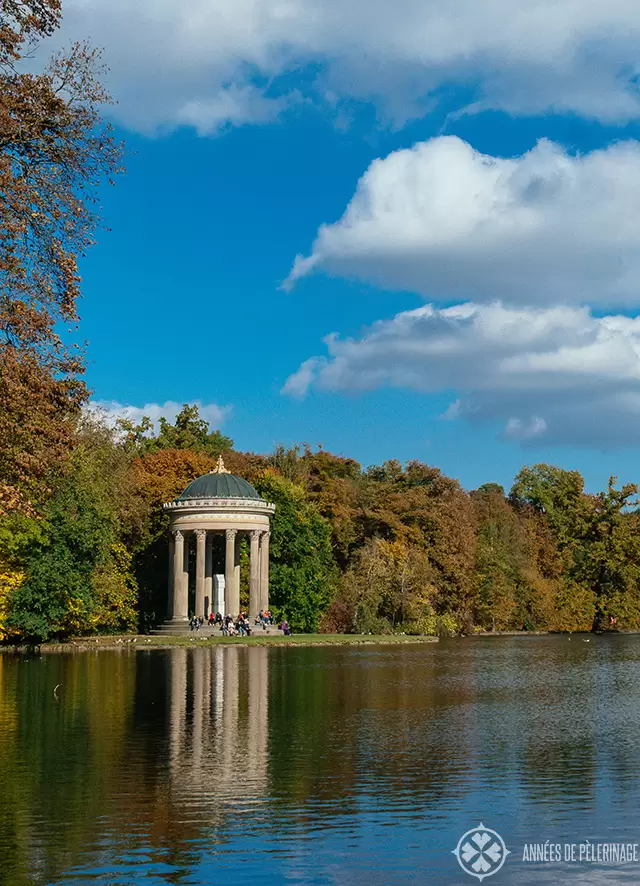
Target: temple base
{"x": 173, "y": 627}
{"x": 181, "y": 628}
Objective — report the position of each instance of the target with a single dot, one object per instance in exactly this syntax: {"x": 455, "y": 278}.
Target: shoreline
{"x": 134, "y": 642}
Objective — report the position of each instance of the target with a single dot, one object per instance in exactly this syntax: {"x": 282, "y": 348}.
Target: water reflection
{"x": 216, "y": 765}
{"x": 217, "y": 725}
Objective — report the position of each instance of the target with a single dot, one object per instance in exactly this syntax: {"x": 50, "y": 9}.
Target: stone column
{"x": 185, "y": 576}
{"x": 236, "y": 569}
{"x": 171, "y": 572}
{"x": 264, "y": 570}
{"x": 201, "y": 537}
{"x": 254, "y": 576}
{"x": 231, "y": 592}
{"x": 208, "y": 573}
{"x": 180, "y": 599}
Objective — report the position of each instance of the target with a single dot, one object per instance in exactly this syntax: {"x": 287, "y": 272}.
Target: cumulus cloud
{"x": 111, "y": 411}
{"x": 451, "y": 223}
{"x": 553, "y": 375}
{"x": 521, "y": 55}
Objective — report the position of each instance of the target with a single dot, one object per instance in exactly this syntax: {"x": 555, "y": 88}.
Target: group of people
{"x": 197, "y": 621}
{"x": 239, "y": 626}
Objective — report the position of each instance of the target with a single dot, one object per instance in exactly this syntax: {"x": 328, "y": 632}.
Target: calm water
{"x": 317, "y": 765}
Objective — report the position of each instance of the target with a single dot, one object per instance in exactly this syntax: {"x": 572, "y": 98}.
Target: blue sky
{"x": 484, "y": 311}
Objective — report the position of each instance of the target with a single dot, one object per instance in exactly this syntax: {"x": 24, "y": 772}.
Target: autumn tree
{"x": 389, "y": 586}
{"x": 517, "y": 577}
{"x": 54, "y": 151}
{"x": 597, "y": 535}
{"x": 334, "y": 484}
{"x": 288, "y": 462}
{"x": 417, "y": 521}
{"x": 558, "y": 494}
{"x": 422, "y": 506}
{"x": 188, "y": 431}
{"x": 499, "y": 557}
{"x": 22, "y": 21}
{"x": 609, "y": 561}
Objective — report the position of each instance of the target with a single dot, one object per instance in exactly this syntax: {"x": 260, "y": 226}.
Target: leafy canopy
{"x": 189, "y": 431}
{"x": 303, "y": 572}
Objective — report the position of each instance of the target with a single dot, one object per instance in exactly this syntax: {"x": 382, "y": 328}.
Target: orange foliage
{"x": 163, "y": 475}
{"x": 248, "y": 465}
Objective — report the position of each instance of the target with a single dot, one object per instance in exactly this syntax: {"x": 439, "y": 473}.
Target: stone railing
{"x": 201, "y": 504}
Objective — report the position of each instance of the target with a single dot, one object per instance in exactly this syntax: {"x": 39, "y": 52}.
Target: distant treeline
{"x": 389, "y": 548}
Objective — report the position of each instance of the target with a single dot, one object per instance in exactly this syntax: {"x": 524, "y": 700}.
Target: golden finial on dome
{"x": 220, "y": 468}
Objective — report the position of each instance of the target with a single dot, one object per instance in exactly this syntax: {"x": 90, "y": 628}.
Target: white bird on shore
{"x": 586, "y": 641}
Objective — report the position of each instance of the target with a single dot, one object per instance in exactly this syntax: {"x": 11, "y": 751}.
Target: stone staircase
{"x": 182, "y": 629}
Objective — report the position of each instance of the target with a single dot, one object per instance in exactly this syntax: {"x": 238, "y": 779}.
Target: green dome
{"x": 219, "y": 485}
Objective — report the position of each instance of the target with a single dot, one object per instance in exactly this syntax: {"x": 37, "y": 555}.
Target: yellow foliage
{"x": 75, "y": 619}
{"x": 9, "y": 580}
{"x": 575, "y": 608}
{"x": 117, "y": 594}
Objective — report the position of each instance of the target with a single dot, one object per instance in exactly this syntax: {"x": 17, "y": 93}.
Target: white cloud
{"x": 299, "y": 383}
{"x": 232, "y": 107}
{"x": 111, "y": 411}
{"x": 553, "y": 375}
{"x": 521, "y": 55}
{"x": 450, "y": 223}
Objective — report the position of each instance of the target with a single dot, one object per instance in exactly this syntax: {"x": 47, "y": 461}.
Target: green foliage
{"x": 18, "y": 534}
{"x": 288, "y": 462}
{"x": 75, "y": 573}
{"x": 303, "y": 572}
{"x": 554, "y": 492}
{"x": 600, "y": 540}
{"x": 57, "y": 593}
{"x": 609, "y": 553}
{"x": 504, "y": 563}
{"x": 189, "y": 431}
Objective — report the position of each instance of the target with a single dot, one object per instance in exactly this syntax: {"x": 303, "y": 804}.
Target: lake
{"x": 322, "y": 765}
